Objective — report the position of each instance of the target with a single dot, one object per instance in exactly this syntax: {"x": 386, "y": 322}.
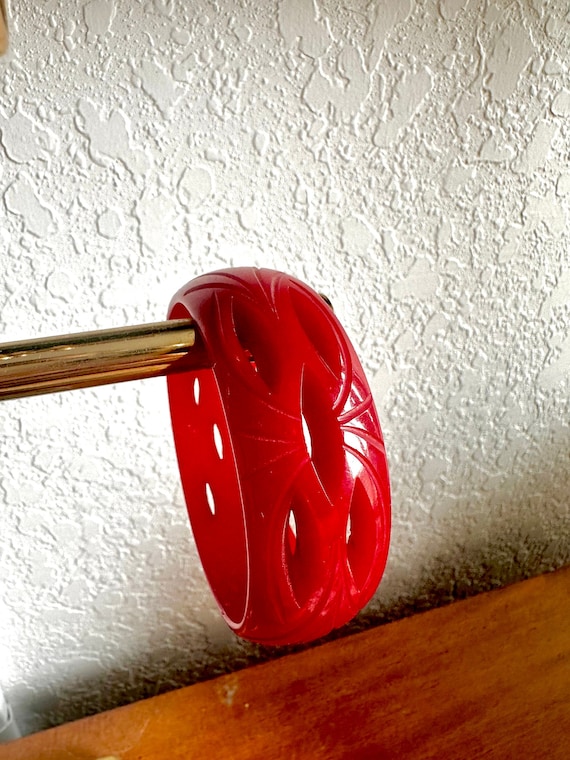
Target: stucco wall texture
{"x": 409, "y": 158}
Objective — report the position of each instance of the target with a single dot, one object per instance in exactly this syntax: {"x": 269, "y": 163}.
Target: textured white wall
{"x": 409, "y": 158}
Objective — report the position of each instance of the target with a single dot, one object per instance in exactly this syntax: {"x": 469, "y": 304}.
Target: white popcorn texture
{"x": 410, "y": 160}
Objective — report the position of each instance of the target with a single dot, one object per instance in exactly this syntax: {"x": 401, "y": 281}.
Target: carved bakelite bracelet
{"x": 279, "y": 447}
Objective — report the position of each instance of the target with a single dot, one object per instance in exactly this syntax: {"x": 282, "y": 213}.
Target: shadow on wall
{"x": 513, "y": 544}
{"x": 512, "y": 528}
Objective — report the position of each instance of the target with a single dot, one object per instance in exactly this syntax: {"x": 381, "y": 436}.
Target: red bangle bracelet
{"x": 281, "y": 457}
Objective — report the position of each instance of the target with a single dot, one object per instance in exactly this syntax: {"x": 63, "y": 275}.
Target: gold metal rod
{"x": 82, "y": 360}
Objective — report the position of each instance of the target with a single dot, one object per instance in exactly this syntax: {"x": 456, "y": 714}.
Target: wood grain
{"x": 484, "y": 678}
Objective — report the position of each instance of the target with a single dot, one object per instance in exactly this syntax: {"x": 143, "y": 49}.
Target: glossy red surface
{"x": 281, "y": 457}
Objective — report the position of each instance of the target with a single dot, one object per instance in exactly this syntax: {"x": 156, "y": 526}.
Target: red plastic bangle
{"x": 281, "y": 457}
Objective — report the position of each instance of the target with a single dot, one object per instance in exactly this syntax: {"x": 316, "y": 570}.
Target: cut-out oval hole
{"x": 361, "y": 534}
{"x": 196, "y": 389}
{"x": 218, "y": 442}
{"x": 292, "y": 533}
{"x": 305, "y": 558}
{"x": 210, "y": 499}
{"x": 249, "y": 356}
{"x": 323, "y": 437}
{"x": 256, "y": 338}
{"x": 318, "y": 326}
{"x": 307, "y": 435}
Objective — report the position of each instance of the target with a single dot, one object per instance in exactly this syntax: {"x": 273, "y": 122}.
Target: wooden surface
{"x": 484, "y": 678}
